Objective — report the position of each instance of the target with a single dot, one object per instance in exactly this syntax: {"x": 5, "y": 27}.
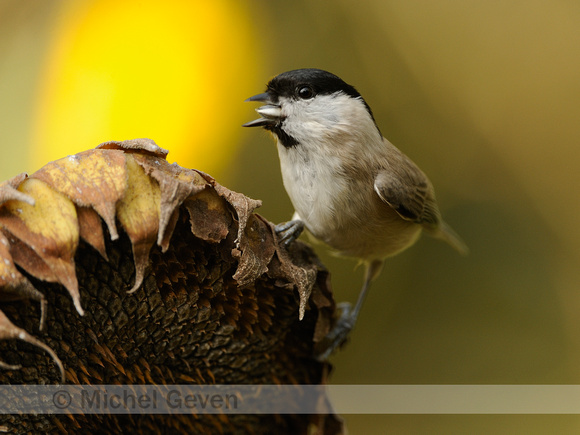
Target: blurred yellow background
{"x": 484, "y": 96}
{"x": 103, "y": 70}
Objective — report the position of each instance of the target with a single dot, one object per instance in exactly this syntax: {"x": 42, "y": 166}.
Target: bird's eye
{"x": 305, "y": 92}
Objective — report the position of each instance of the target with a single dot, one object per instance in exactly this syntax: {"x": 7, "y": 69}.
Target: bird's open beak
{"x": 270, "y": 112}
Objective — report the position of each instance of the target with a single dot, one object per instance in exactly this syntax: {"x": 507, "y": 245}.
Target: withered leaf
{"x": 138, "y": 212}
{"x": 14, "y": 285}
{"x": 8, "y": 190}
{"x": 9, "y": 331}
{"x": 322, "y": 299}
{"x": 304, "y": 279}
{"x": 93, "y": 178}
{"x": 209, "y": 217}
{"x": 9, "y": 275}
{"x": 303, "y": 276}
{"x": 243, "y": 206}
{"x": 248, "y": 262}
{"x": 28, "y": 259}
{"x": 50, "y": 229}
{"x": 90, "y": 229}
{"x": 176, "y": 184}
{"x": 257, "y": 248}
{"x": 142, "y": 144}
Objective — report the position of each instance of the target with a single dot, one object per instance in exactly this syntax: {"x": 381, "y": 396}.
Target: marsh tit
{"x": 351, "y": 188}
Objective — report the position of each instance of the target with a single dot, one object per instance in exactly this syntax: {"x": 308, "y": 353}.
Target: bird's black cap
{"x": 322, "y": 82}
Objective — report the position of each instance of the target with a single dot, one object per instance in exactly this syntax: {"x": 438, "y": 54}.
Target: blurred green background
{"x": 482, "y": 95}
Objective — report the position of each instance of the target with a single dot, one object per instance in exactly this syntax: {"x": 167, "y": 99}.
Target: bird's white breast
{"x": 313, "y": 186}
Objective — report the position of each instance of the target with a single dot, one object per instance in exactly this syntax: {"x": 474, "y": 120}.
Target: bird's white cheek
{"x": 308, "y": 122}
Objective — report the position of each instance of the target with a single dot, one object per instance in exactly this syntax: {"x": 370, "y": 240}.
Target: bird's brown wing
{"x": 405, "y": 188}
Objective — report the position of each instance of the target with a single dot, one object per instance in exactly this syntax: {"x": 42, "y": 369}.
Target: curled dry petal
{"x": 50, "y": 233}
{"x": 14, "y": 285}
{"x": 8, "y": 190}
{"x": 209, "y": 217}
{"x": 90, "y": 229}
{"x": 243, "y": 206}
{"x": 251, "y": 263}
{"x": 303, "y": 277}
{"x": 302, "y": 274}
{"x": 9, "y": 331}
{"x": 138, "y": 145}
{"x": 257, "y": 248}
{"x": 94, "y": 178}
{"x": 176, "y": 184}
{"x": 138, "y": 212}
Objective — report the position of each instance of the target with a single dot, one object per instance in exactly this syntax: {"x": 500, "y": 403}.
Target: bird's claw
{"x": 289, "y": 231}
{"x": 339, "y": 334}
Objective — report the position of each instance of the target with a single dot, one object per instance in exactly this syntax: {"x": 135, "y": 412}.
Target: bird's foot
{"x": 339, "y": 334}
{"x": 289, "y": 231}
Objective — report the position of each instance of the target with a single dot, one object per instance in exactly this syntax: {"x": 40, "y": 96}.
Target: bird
{"x": 351, "y": 188}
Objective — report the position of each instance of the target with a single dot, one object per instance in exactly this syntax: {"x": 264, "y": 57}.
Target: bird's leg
{"x": 345, "y": 323}
{"x": 289, "y": 231}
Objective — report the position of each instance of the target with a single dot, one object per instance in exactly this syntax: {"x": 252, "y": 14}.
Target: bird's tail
{"x": 446, "y": 233}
